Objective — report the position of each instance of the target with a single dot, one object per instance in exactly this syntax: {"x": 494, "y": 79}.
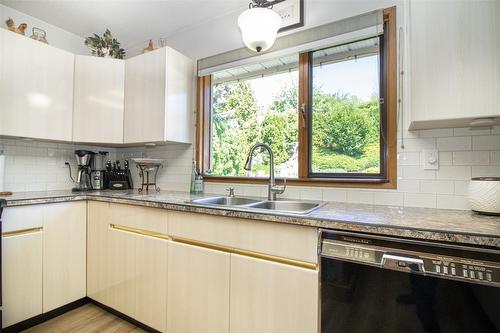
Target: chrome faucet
{"x": 272, "y": 188}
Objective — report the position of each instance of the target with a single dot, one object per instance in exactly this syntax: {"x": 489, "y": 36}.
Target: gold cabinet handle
{"x": 21, "y": 232}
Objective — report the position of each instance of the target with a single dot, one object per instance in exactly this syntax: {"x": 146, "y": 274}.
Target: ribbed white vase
{"x": 484, "y": 195}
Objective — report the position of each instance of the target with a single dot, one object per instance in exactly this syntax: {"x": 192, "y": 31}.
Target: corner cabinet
{"x": 455, "y": 62}
{"x": 36, "y": 89}
{"x": 98, "y": 100}
{"x": 159, "y": 96}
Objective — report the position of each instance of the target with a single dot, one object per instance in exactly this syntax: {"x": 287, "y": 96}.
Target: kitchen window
{"x": 329, "y": 116}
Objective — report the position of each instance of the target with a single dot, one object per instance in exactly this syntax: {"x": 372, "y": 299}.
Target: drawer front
{"x": 137, "y": 217}
{"x": 275, "y": 239}
{"x": 22, "y": 218}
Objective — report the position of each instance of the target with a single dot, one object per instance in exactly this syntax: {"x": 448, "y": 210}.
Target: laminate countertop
{"x": 455, "y": 226}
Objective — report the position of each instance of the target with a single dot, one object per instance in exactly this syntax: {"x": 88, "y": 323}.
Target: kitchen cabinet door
{"x": 269, "y": 297}
{"x": 159, "y": 97}
{"x": 127, "y": 260}
{"x": 21, "y": 263}
{"x": 145, "y": 81}
{"x": 99, "y": 100}
{"x": 455, "y": 63}
{"x": 36, "y": 89}
{"x": 64, "y": 254}
{"x": 198, "y": 290}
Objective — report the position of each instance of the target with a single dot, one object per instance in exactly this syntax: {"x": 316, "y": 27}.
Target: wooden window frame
{"x": 388, "y": 123}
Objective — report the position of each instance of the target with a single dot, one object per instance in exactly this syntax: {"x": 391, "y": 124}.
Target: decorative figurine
{"x": 39, "y": 35}
{"x": 149, "y": 48}
{"x": 20, "y": 29}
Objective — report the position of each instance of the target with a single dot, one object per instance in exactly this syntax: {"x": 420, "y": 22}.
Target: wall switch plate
{"x": 431, "y": 159}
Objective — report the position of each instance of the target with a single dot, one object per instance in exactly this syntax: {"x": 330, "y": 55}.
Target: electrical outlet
{"x": 431, "y": 159}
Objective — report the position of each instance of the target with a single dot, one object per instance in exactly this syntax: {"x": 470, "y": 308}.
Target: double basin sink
{"x": 278, "y": 206}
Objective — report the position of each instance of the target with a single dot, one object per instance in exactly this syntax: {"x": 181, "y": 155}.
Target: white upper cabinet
{"x": 36, "y": 89}
{"x": 455, "y": 62}
{"x": 98, "y": 100}
{"x": 159, "y": 97}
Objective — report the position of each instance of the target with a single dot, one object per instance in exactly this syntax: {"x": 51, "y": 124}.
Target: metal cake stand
{"x": 148, "y": 170}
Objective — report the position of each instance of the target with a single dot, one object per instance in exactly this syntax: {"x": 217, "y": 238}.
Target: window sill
{"x": 312, "y": 182}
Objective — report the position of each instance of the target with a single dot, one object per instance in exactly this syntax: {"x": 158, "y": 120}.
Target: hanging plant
{"x": 105, "y": 46}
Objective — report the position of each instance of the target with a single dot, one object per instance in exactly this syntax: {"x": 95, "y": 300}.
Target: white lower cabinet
{"x": 198, "y": 290}
{"x": 43, "y": 258}
{"x": 64, "y": 254}
{"x": 270, "y": 297}
{"x": 127, "y": 261}
{"x": 21, "y": 264}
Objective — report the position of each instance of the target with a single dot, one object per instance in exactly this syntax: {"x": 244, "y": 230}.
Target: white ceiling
{"x": 132, "y": 22}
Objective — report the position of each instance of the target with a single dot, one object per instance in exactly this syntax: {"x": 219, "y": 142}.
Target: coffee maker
{"x": 98, "y": 170}
{"x": 83, "y": 159}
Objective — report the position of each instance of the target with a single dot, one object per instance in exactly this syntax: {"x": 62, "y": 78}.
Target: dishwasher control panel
{"x": 415, "y": 258}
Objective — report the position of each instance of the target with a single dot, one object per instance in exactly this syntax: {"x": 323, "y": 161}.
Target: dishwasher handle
{"x": 401, "y": 262}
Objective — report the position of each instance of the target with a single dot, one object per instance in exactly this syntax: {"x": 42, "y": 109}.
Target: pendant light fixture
{"x": 259, "y": 25}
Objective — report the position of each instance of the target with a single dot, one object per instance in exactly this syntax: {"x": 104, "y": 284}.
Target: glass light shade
{"x": 259, "y": 27}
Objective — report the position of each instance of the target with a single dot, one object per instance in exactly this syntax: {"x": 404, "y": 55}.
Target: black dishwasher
{"x": 384, "y": 285}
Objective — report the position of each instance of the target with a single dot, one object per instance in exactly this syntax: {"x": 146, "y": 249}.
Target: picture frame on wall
{"x": 292, "y": 14}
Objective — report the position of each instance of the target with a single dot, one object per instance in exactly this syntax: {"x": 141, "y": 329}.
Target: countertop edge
{"x": 395, "y": 231}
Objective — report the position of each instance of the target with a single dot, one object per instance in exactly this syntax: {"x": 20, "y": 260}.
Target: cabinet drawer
{"x": 22, "y": 218}
{"x": 276, "y": 239}
{"x": 142, "y": 218}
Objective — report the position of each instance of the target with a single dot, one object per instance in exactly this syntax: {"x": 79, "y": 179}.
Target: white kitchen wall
{"x": 56, "y": 36}
{"x": 39, "y": 166}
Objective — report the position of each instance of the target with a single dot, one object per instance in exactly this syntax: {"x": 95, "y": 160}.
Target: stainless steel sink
{"x": 296, "y": 207}
{"x": 226, "y": 201}
{"x": 283, "y": 206}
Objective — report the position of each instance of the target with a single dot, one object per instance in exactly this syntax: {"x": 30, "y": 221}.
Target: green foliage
{"x": 280, "y": 132}
{"x": 234, "y": 117}
{"x": 100, "y": 46}
{"x": 345, "y": 130}
{"x": 343, "y": 125}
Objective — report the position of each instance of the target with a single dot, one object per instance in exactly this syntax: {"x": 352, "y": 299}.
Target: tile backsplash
{"x": 463, "y": 153}
{"x": 39, "y": 166}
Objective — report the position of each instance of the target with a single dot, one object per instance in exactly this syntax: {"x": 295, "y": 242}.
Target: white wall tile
{"x": 486, "y": 171}
{"x": 461, "y": 187}
{"x": 331, "y": 194}
{"x": 445, "y": 158}
{"x": 452, "y": 202}
{"x": 495, "y": 130}
{"x": 418, "y": 144}
{"x": 490, "y": 142}
{"x": 454, "y": 143}
{"x": 436, "y": 133}
{"x": 464, "y": 131}
{"x": 420, "y": 200}
{"x": 410, "y": 158}
{"x": 389, "y": 198}
{"x": 360, "y": 197}
{"x": 437, "y": 186}
{"x": 311, "y": 193}
{"x": 408, "y": 185}
{"x": 454, "y": 173}
{"x": 495, "y": 158}
{"x": 471, "y": 158}
{"x": 417, "y": 172}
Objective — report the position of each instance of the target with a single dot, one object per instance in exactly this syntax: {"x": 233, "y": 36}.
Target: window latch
{"x": 303, "y": 114}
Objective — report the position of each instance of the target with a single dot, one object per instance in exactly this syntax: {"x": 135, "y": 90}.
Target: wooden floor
{"x": 86, "y": 319}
